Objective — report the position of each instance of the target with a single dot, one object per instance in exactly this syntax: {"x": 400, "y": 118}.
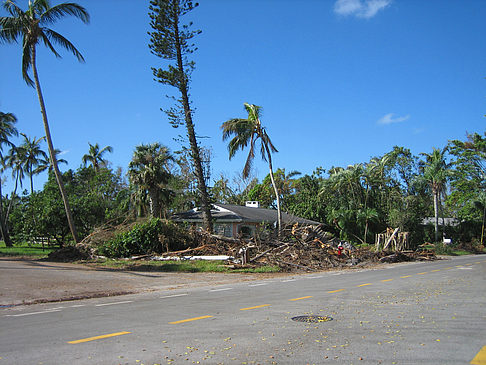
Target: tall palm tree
{"x": 33, "y": 156}
{"x": 31, "y": 26}
{"x": 7, "y": 130}
{"x": 250, "y": 131}
{"x": 95, "y": 156}
{"x": 436, "y": 173}
{"x": 149, "y": 171}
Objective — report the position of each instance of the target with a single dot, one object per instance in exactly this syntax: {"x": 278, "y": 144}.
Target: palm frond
{"x": 27, "y": 61}
{"x": 51, "y": 14}
{"x": 63, "y": 42}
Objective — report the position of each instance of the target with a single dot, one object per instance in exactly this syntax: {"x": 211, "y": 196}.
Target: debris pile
{"x": 297, "y": 248}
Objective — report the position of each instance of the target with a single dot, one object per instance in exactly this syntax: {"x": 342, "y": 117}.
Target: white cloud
{"x": 390, "y": 119}
{"x": 360, "y": 8}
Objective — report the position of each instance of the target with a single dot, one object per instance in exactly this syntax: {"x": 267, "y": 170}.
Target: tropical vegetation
{"x": 397, "y": 189}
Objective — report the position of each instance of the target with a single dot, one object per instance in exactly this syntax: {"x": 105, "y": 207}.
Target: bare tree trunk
{"x": 195, "y": 152}
{"x": 436, "y": 215}
{"x": 279, "y": 213}
{"x": 50, "y": 146}
{"x": 3, "y": 222}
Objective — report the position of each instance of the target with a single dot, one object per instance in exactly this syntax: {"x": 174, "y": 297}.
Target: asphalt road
{"x": 417, "y": 313}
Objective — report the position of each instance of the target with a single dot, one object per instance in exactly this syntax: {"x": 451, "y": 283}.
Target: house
{"x": 239, "y": 221}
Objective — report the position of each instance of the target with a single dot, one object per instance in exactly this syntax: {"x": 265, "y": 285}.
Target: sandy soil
{"x": 24, "y": 281}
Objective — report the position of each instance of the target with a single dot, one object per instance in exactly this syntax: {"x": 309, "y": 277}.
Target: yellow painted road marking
{"x": 387, "y": 280}
{"x": 458, "y": 265}
{"x": 477, "y": 262}
{"x": 480, "y": 358}
{"x": 255, "y": 307}
{"x": 448, "y": 268}
{"x": 422, "y": 273}
{"x": 98, "y": 337}
{"x": 406, "y": 276}
{"x": 363, "y": 284}
{"x": 435, "y": 270}
{"x": 293, "y": 300}
{"x": 189, "y": 319}
{"x": 469, "y": 264}
{"x": 335, "y": 291}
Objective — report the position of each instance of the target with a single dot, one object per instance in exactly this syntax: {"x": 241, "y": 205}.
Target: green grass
{"x": 177, "y": 266}
{"x": 33, "y": 251}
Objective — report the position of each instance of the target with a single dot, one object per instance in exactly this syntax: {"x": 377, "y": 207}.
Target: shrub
{"x": 152, "y": 236}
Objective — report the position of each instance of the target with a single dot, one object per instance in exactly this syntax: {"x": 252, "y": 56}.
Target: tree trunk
{"x": 279, "y": 213}
{"x": 3, "y": 223}
{"x": 52, "y": 154}
{"x": 154, "y": 204}
{"x": 436, "y": 215}
{"x": 195, "y": 153}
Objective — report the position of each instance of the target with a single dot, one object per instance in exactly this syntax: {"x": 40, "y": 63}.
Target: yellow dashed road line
{"x": 255, "y": 307}
{"x": 363, "y": 284}
{"x": 406, "y": 276}
{"x": 293, "y": 300}
{"x": 335, "y": 291}
{"x": 98, "y": 337}
{"x": 386, "y": 280}
{"x": 480, "y": 358}
{"x": 435, "y": 270}
{"x": 190, "y": 319}
{"x": 423, "y": 273}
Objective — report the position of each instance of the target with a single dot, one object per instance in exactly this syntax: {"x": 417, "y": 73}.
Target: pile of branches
{"x": 297, "y": 248}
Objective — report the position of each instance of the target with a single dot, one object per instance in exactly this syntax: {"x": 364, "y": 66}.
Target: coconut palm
{"x": 7, "y": 130}
{"x": 45, "y": 163}
{"x": 32, "y": 26}
{"x": 95, "y": 156}
{"x": 149, "y": 171}
{"x": 250, "y": 131}
{"x": 436, "y": 173}
{"x": 33, "y": 156}
{"x": 15, "y": 161}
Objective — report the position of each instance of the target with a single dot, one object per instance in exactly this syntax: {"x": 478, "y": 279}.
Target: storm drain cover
{"x": 312, "y": 319}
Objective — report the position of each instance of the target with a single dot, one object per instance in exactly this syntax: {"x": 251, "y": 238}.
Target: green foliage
{"x": 152, "y": 236}
{"x": 94, "y": 198}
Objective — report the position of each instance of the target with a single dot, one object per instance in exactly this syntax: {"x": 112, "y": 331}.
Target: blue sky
{"x": 339, "y": 81}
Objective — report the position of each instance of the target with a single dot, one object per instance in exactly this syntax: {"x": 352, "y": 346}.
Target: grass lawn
{"x": 32, "y": 251}
{"x": 177, "y": 266}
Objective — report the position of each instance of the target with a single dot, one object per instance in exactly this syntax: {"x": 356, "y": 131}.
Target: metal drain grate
{"x": 312, "y": 319}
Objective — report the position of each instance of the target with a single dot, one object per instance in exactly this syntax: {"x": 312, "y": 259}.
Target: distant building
{"x": 451, "y": 222}
{"x": 239, "y": 221}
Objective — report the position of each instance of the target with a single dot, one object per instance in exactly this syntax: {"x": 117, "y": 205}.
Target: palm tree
{"x": 7, "y": 130}
{"x": 45, "y": 163}
{"x": 33, "y": 156}
{"x": 435, "y": 173}
{"x": 249, "y": 131}
{"x": 149, "y": 171}
{"x": 31, "y": 26}
{"x": 15, "y": 161}
{"x": 95, "y": 156}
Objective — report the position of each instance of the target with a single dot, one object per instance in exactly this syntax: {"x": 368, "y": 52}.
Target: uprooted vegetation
{"x": 297, "y": 248}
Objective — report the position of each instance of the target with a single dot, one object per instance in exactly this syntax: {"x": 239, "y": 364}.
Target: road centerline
{"x": 190, "y": 319}
{"x": 295, "y": 299}
{"x": 255, "y": 307}
{"x": 98, "y": 337}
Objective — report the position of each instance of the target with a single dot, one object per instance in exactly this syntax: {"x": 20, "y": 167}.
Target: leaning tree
{"x": 250, "y": 131}
{"x": 31, "y": 26}
{"x": 171, "y": 40}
